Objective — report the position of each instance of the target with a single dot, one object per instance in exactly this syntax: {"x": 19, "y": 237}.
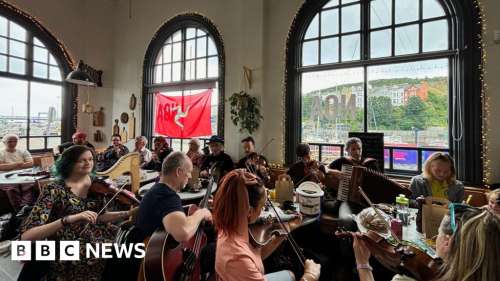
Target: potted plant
{"x": 245, "y": 111}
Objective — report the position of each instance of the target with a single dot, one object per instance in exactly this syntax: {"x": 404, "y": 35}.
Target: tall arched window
{"x": 35, "y": 99}
{"x": 390, "y": 66}
{"x": 184, "y": 59}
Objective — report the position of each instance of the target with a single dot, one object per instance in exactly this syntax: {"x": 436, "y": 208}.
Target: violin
{"x": 400, "y": 258}
{"x": 106, "y": 189}
{"x": 315, "y": 171}
{"x": 263, "y": 231}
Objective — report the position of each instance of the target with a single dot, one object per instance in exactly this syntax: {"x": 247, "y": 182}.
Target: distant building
{"x": 394, "y": 92}
{"x": 422, "y": 91}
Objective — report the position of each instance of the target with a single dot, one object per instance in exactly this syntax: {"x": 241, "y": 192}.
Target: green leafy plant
{"x": 245, "y": 111}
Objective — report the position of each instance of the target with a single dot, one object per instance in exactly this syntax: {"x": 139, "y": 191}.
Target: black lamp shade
{"x": 78, "y": 76}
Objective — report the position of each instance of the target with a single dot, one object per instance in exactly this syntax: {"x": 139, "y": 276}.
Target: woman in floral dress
{"x": 63, "y": 210}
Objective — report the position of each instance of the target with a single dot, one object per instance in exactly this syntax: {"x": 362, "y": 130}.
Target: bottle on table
{"x": 402, "y": 209}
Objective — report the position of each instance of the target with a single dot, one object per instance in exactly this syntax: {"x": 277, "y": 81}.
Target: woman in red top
{"x": 237, "y": 204}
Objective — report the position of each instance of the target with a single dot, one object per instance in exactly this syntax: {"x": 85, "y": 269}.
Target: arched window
{"x": 185, "y": 59}
{"x": 390, "y": 66}
{"x": 35, "y": 99}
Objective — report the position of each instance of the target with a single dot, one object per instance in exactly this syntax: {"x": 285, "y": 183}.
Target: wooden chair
{"x": 129, "y": 163}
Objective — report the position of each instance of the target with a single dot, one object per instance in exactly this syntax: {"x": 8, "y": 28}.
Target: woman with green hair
{"x": 63, "y": 211}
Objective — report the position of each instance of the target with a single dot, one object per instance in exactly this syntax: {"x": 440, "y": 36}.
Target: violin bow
{"x": 106, "y": 205}
{"x": 377, "y": 211}
{"x": 290, "y": 239}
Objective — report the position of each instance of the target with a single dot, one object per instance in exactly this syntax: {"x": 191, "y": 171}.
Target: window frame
{"x": 173, "y": 25}
{"x": 66, "y": 65}
{"x": 462, "y": 38}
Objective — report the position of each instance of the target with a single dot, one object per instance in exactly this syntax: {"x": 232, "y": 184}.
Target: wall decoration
{"x": 131, "y": 127}
{"x": 98, "y": 120}
{"x": 132, "y": 103}
{"x": 124, "y": 117}
{"x": 116, "y": 128}
{"x": 98, "y": 136}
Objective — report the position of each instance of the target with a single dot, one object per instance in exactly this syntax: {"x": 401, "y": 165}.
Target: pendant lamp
{"x": 80, "y": 77}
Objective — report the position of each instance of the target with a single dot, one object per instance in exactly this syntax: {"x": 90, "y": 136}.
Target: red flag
{"x": 184, "y": 116}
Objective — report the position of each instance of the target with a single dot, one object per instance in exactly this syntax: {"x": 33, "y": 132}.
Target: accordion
{"x": 378, "y": 187}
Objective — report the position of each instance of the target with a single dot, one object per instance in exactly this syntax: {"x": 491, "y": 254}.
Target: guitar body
{"x": 166, "y": 258}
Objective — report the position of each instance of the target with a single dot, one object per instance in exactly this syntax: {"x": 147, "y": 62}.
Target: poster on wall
{"x": 183, "y": 116}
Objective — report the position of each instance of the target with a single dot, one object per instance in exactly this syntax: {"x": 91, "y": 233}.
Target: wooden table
{"x": 411, "y": 235}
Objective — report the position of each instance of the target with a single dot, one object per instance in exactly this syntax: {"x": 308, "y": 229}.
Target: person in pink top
{"x": 238, "y": 202}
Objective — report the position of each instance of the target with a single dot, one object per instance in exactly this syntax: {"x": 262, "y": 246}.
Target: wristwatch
{"x": 364, "y": 266}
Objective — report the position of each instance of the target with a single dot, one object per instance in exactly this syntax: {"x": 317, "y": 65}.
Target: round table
{"x": 185, "y": 196}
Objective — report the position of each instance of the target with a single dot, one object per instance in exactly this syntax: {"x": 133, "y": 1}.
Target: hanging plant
{"x": 245, "y": 111}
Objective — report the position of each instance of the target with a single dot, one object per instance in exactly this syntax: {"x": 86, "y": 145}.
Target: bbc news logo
{"x": 70, "y": 250}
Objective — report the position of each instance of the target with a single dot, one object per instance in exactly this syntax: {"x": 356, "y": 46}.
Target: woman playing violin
{"x": 237, "y": 204}
{"x": 63, "y": 210}
{"x": 468, "y": 241}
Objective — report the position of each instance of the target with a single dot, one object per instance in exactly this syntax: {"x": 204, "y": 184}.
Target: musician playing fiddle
{"x": 67, "y": 210}
{"x": 237, "y": 204}
{"x": 248, "y": 145}
{"x": 354, "y": 149}
{"x": 468, "y": 241}
{"x": 223, "y": 161}
{"x": 305, "y": 169}
{"x": 252, "y": 161}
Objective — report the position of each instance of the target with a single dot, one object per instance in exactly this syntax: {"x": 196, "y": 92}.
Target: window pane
{"x": 432, "y": 9}
{"x": 405, "y": 159}
{"x": 157, "y": 74}
{"x": 190, "y": 33}
{"x": 408, "y": 102}
{"x": 435, "y": 36}
{"x": 330, "y": 50}
{"x": 406, "y": 40}
{"x": 17, "y": 49}
{"x": 167, "y": 72}
{"x": 200, "y": 32}
{"x": 201, "y": 47}
{"x": 53, "y": 142}
{"x": 380, "y": 43}
{"x": 351, "y": 18}
{"x": 331, "y": 3}
{"x": 55, "y": 73}
{"x": 46, "y": 108}
{"x": 201, "y": 68}
{"x": 14, "y": 108}
{"x": 52, "y": 60}
{"x": 380, "y": 13}
{"x": 3, "y": 45}
{"x": 159, "y": 57}
{"x": 38, "y": 42}
{"x": 406, "y": 11}
{"x": 36, "y": 143}
{"x": 212, "y": 50}
{"x": 190, "y": 49}
{"x": 350, "y": 47}
{"x": 17, "y": 66}
{"x": 40, "y": 70}
{"x": 177, "y": 36}
{"x": 312, "y": 30}
{"x": 3, "y": 26}
{"x": 349, "y": 1}
{"x": 176, "y": 52}
{"x": 17, "y": 32}
{"x": 332, "y": 104}
{"x": 190, "y": 72}
{"x": 40, "y": 54}
{"x": 330, "y": 22}
{"x": 310, "y": 53}
{"x": 167, "y": 53}
{"x": 213, "y": 67}
{"x": 176, "y": 71}
{"x": 3, "y": 63}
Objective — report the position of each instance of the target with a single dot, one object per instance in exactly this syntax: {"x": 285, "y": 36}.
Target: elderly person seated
{"x": 12, "y": 158}
{"x": 194, "y": 152}
{"x": 79, "y": 138}
{"x": 114, "y": 152}
{"x": 140, "y": 147}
